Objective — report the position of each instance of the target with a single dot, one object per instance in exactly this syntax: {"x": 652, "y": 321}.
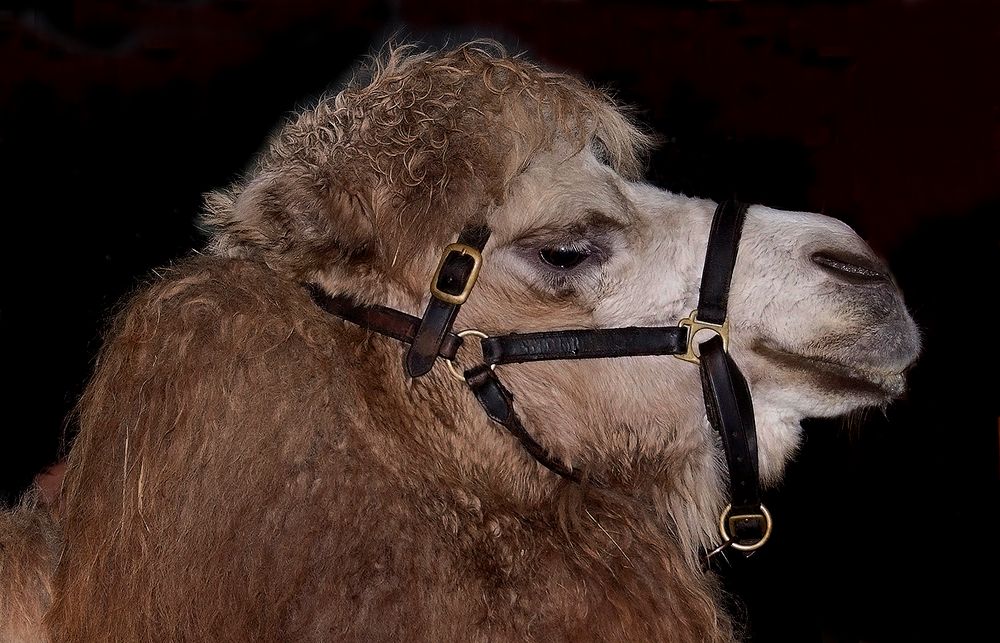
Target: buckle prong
{"x": 694, "y": 326}
{"x": 477, "y": 263}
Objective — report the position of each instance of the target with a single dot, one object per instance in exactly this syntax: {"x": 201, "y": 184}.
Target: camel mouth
{"x": 832, "y": 374}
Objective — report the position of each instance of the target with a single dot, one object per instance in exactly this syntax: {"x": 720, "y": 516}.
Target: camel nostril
{"x": 852, "y": 268}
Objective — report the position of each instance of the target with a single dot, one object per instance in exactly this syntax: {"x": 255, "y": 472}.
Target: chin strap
{"x": 745, "y": 524}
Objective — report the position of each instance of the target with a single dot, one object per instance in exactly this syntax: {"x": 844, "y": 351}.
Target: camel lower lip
{"x": 837, "y": 375}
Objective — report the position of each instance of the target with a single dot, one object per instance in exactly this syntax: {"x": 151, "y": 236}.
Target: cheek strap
{"x": 451, "y": 285}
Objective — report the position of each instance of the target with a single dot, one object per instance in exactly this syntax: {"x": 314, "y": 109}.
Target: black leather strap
{"x": 439, "y": 315}
{"x": 385, "y": 321}
{"x": 730, "y": 411}
{"x": 584, "y": 344}
{"x": 727, "y": 396}
{"x": 720, "y": 259}
{"x": 498, "y": 403}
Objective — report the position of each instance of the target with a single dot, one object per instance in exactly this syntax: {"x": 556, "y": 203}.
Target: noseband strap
{"x": 720, "y": 260}
{"x": 745, "y": 524}
{"x": 518, "y": 348}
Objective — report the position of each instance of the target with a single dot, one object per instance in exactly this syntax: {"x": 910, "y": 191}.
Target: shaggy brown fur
{"x": 29, "y": 546}
{"x": 248, "y": 468}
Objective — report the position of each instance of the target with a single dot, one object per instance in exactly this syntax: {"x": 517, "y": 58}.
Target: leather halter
{"x": 745, "y": 523}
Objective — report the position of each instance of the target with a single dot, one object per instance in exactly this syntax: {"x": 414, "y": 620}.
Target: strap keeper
{"x": 463, "y": 250}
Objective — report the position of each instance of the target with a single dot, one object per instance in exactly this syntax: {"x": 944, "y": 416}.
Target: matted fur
{"x": 29, "y": 547}
{"x": 249, "y": 468}
{"x": 240, "y": 491}
{"x": 428, "y": 143}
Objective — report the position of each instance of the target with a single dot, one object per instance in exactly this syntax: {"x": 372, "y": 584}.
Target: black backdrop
{"x": 116, "y": 116}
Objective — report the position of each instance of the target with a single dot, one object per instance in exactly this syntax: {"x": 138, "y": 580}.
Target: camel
{"x": 250, "y": 467}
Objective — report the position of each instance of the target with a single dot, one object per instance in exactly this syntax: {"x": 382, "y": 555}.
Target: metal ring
{"x": 453, "y": 363}
{"x": 694, "y": 326}
{"x": 723, "y": 519}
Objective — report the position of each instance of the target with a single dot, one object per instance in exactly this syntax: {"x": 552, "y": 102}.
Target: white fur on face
{"x": 809, "y": 343}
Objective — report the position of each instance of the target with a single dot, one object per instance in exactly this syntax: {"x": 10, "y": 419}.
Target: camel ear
{"x": 296, "y": 222}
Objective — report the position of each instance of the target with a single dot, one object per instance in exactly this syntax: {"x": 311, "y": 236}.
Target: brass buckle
{"x": 453, "y": 363}
{"x": 726, "y": 523}
{"x": 477, "y": 263}
{"x": 694, "y": 325}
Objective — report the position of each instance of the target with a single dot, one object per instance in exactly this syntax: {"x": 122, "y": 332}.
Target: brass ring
{"x": 453, "y": 363}
{"x": 694, "y": 326}
{"x": 723, "y": 519}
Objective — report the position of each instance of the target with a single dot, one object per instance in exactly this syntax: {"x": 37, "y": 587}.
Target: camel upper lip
{"x": 884, "y": 384}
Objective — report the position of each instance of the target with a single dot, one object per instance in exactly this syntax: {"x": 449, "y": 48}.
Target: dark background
{"x": 116, "y": 116}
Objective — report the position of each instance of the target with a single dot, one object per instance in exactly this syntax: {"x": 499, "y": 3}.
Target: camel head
{"x": 818, "y": 324}
{"x": 361, "y": 193}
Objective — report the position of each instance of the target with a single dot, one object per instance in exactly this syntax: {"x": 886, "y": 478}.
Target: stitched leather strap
{"x": 730, "y": 411}
{"x": 720, "y": 259}
{"x": 386, "y": 321}
{"x": 498, "y": 403}
{"x": 439, "y": 315}
{"x": 584, "y": 344}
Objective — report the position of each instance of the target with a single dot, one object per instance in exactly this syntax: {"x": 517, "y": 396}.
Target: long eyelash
{"x": 582, "y": 245}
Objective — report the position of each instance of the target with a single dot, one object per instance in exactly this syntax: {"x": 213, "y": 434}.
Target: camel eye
{"x": 563, "y": 257}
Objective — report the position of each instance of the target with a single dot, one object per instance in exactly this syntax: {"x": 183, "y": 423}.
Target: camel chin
{"x": 861, "y": 362}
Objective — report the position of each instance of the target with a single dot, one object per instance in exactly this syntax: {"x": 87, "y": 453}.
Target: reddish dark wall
{"x": 116, "y": 116}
